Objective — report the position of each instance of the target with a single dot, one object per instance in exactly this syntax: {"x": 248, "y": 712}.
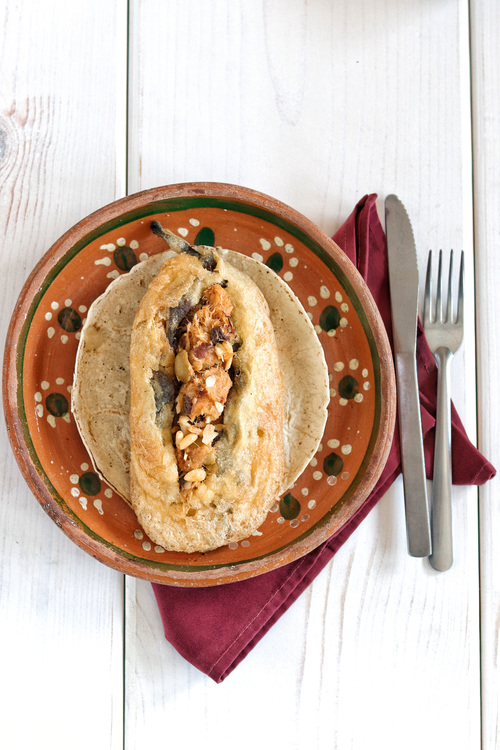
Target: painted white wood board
{"x": 485, "y": 30}
{"x": 317, "y": 104}
{"x": 62, "y": 126}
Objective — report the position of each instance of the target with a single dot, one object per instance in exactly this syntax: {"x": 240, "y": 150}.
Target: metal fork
{"x": 444, "y": 333}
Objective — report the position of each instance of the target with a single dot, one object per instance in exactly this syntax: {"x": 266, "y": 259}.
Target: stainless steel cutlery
{"x": 403, "y": 281}
{"x": 428, "y": 525}
{"x": 444, "y": 332}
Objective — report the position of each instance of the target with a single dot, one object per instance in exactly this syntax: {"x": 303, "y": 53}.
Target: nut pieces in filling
{"x": 203, "y": 359}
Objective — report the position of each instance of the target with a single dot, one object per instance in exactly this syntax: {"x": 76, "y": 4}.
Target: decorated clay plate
{"x": 40, "y": 358}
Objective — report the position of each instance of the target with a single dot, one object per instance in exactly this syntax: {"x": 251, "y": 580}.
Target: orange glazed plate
{"x": 40, "y": 359}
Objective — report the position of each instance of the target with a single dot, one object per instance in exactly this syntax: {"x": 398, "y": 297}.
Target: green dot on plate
{"x": 275, "y": 262}
{"x": 57, "y": 404}
{"x": 333, "y": 465}
{"x": 289, "y": 507}
{"x": 90, "y": 483}
{"x": 205, "y": 236}
{"x": 69, "y": 319}
{"x": 348, "y": 387}
{"x": 124, "y": 258}
{"x": 329, "y": 318}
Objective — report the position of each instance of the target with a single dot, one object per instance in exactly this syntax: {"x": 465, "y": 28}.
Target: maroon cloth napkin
{"x": 214, "y": 628}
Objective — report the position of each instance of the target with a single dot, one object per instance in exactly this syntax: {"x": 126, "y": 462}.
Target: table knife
{"x": 403, "y": 282}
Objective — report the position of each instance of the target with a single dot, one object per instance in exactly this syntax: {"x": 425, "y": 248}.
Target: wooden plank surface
{"x": 485, "y": 30}
{"x": 317, "y": 104}
{"x": 61, "y": 612}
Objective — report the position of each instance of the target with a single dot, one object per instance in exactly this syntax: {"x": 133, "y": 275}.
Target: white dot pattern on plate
{"x": 324, "y": 292}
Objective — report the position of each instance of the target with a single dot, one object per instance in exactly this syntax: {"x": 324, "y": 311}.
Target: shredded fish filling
{"x": 204, "y": 355}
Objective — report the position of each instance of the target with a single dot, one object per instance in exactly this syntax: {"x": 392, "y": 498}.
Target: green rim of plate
{"x": 180, "y": 204}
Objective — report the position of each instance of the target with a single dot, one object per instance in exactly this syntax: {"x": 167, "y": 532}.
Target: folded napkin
{"x": 214, "y": 628}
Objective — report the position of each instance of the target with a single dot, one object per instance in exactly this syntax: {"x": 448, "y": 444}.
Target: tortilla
{"x": 101, "y": 390}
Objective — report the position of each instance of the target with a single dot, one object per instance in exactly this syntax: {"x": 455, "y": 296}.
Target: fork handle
{"x": 442, "y": 547}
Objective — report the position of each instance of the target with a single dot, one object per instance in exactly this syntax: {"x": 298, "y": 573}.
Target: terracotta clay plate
{"x": 40, "y": 357}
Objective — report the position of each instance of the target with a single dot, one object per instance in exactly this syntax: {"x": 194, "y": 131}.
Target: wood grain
{"x": 317, "y": 104}
{"x": 61, "y": 612}
{"x": 485, "y": 28}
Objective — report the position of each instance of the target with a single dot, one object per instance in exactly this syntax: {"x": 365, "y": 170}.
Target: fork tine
{"x": 439, "y": 291}
{"x": 428, "y": 291}
{"x": 460, "y": 306}
{"x": 449, "y": 301}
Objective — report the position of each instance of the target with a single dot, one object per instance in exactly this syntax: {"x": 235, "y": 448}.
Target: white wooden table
{"x": 315, "y": 103}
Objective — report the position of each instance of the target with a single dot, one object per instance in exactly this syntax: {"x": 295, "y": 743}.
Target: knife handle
{"x": 418, "y": 529}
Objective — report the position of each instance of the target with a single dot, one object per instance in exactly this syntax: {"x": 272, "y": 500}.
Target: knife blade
{"x": 403, "y": 282}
